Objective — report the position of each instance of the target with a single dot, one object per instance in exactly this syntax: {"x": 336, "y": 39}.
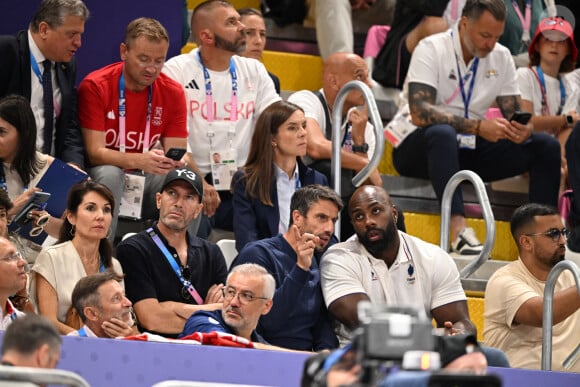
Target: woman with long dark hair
{"x": 21, "y": 165}
{"x": 273, "y": 171}
{"x": 83, "y": 249}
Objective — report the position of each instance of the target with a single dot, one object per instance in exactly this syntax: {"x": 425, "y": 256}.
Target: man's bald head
{"x": 202, "y": 16}
{"x": 339, "y": 69}
{"x": 369, "y": 193}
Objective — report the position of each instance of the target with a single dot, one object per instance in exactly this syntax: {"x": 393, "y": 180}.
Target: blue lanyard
{"x": 123, "y": 113}
{"x": 472, "y": 70}
{"x": 102, "y": 267}
{"x": 35, "y": 67}
{"x": 4, "y": 186}
{"x": 545, "y": 107}
{"x": 209, "y": 92}
{"x": 174, "y": 266}
{"x": 82, "y": 332}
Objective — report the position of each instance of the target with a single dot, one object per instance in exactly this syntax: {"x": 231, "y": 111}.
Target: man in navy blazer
{"x": 54, "y": 34}
{"x": 255, "y": 220}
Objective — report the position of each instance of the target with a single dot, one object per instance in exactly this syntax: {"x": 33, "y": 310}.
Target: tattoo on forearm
{"x": 425, "y": 112}
{"x": 508, "y": 104}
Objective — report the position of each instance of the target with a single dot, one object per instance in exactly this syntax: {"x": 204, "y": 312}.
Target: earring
{"x": 109, "y": 232}
{"x": 72, "y": 230}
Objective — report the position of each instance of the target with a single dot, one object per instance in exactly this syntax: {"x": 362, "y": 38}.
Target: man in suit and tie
{"x": 39, "y": 64}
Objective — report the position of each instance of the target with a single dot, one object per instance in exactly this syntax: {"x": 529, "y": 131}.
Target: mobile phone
{"x": 175, "y": 153}
{"x": 521, "y": 117}
{"x": 36, "y": 201}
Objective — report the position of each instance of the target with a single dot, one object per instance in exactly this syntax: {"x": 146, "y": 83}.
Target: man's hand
{"x": 358, "y": 119}
{"x": 211, "y": 199}
{"x": 116, "y": 328}
{"x": 518, "y": 133}
{"x": 450, "y": 329}
{"x": 156, "y": 163}
{"x": 305, "y": 245}
{"x": 214, "y": 294}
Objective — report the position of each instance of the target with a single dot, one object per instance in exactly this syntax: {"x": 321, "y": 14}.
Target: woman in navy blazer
{"x": 278, "y": 143}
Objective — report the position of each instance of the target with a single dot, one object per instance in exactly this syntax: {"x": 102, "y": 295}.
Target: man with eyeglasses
{"x": 247, "y": 296}
{"x": 298, "y": 319}
{"x": 102, "y": 306}
{"x": 514, "y": 293}
{"x": 169, "y": 272}
{"x": 130, "y": 117}
{"x": 12, "y": 279}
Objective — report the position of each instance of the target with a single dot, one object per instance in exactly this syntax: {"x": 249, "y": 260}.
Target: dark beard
{"x": 232, "y": 46}
{"x": 387, "y": 240}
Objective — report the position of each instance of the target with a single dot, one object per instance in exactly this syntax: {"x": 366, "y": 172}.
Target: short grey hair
{"x": 256, "y": 270}
{"x": 53, "y": 12}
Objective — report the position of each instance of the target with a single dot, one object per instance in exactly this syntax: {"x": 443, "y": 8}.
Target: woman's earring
{"x": 72, "y": 230}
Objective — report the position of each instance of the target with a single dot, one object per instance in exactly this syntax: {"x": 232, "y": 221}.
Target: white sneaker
{"x": 467, "y": 243}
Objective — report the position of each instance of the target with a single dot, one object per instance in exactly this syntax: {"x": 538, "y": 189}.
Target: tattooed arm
{"x": 425, "y": 113}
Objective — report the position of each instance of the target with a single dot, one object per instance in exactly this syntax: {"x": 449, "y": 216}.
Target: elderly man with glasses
{"x": 12, "y": 279}
{"x": 247, "y": 296}
{"x": 514, "y": 294}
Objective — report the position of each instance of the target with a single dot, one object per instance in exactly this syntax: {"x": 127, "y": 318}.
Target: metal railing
{"x": 483, "y": 199}
{"x": 335, "y": 159}
{"x": 548, "y": 313}
{"x": 41, "y": 376}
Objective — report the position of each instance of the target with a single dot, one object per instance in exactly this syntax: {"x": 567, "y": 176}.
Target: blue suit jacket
{"x": 252, "y": 219}
{"x": 15, "y": 79}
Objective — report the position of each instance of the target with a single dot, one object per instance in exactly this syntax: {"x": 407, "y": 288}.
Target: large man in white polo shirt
{"x": 385, "y": 266}
{"x": 453, "y": 79}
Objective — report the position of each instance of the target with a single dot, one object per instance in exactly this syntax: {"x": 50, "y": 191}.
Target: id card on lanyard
{"x": 134, "y": 187}
{"x": 466, "y": 141}
{"x": 222, "y": 157}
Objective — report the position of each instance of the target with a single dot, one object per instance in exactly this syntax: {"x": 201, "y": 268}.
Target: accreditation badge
{"x": 132, "y": 199}
{"x": 223, "y": 167}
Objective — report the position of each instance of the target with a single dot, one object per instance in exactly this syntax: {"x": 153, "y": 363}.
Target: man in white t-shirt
{"x": 453, "y": 79}
{"x": 515, "y": 293}
{"x": 238, "y": 89}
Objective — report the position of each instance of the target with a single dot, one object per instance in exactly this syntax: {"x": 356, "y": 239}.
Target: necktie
{"x": 48, "y": 107}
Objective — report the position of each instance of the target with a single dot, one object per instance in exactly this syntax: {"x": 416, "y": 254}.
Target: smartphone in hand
{"x": 175, "y": 153}
{"x": 36, "y": 202}
{"x": 521, "y": 117}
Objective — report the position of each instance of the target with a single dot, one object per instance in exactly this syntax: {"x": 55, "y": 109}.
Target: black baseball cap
{"x": 186, "y": 175}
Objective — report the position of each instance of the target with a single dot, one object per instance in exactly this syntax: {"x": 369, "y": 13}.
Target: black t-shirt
{"x": 148, "y": 274}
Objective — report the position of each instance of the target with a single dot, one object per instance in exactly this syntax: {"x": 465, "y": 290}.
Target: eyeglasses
{"x": 243, "y": 297}
{"x": 12, "y": 257}
{"x": 553, "y": 234}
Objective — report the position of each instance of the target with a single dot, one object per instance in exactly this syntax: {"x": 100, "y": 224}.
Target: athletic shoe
{"x": 467, "y": 243}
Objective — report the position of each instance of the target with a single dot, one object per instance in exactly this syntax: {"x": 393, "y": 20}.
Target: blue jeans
{"x": 432, "y": 153}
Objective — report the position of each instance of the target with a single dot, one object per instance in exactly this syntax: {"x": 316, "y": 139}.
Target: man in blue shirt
{"x": 299, "y": 319}
{"x": 247, "y": 296}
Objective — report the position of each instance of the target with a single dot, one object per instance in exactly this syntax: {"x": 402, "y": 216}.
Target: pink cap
{"x": 555, "y": 29}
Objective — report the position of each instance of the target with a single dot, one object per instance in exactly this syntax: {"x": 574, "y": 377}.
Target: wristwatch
{"x": 569, "y": 120}
{"x": 364, "y": 148}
